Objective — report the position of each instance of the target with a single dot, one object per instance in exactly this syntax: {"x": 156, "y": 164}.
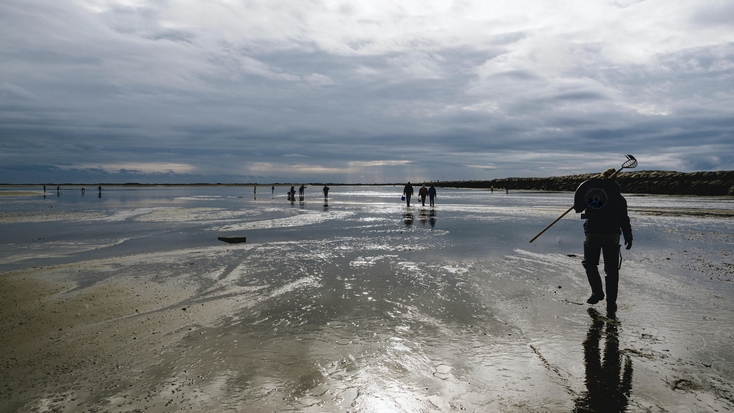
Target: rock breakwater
{"x": 718, "y": 183}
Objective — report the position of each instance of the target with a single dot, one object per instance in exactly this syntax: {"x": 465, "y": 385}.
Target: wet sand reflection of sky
{"x": 367, "y": 305}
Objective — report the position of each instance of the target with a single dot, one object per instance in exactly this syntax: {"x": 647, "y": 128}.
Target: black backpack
{"x": 598, "y": 198}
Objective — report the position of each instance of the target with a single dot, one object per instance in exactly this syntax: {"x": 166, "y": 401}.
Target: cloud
{"x": 9, "y": 92}
{"x": 341, "y": 168}
{"x": 482, "y": 167}
{"x": 136, "y": 167}
{"x": 316, "y": 79}
{"x": 365, "y": 164}
{"x": 365, "y": 90}
{"x": 267, "y": 168}
{"x": 715, "y": 14}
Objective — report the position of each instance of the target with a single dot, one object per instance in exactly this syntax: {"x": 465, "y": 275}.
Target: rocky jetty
{"x": 719, "y": 183}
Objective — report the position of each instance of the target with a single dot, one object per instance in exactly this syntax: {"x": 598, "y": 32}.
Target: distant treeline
{"x": 638, "y": 182}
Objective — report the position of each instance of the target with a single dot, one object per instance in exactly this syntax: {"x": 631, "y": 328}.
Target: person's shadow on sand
{"x": 608, "y": 385}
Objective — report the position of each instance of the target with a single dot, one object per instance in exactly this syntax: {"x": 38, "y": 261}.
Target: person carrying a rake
{"x": 605, "y": 211}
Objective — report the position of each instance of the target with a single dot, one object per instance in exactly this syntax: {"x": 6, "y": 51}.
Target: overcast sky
{"x": 362, "y": 90}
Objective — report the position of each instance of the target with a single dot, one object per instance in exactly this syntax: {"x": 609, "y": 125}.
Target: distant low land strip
{"x": 719, "y": 183}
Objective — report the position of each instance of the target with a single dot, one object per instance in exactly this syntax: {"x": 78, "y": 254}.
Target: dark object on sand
{"x": 232, "y": 240}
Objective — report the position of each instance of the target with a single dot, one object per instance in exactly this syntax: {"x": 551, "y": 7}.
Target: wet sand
{"x": 377, "y": 318}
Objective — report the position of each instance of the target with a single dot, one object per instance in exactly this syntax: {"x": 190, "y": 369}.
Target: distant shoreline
{"x": 718, "y": 183}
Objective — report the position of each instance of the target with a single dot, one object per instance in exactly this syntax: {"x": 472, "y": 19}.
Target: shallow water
{"x": 357, "y": 303}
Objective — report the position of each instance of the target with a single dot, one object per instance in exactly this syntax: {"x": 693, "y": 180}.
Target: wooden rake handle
{"x": 551, "y": 224}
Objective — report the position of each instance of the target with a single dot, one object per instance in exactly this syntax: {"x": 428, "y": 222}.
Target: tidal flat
{"x": 125, "y": 301}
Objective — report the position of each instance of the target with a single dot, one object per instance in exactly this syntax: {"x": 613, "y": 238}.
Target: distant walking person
{"x": 302, "y": 191}
{"x": 605, "y": 211}
{"x": 408, "y": 192}
{"x": 292, "y": 193}
{"x": 431, "y": 194}
{"x": 422, "y": 193}
{"x": 272, "y": 190}
{"x": 326, "y": 191}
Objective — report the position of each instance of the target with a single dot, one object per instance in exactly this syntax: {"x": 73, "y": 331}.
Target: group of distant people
{"x": 302, "y": 192}
{"x": 58, "y": 191}
{"x": 422, "y": 193}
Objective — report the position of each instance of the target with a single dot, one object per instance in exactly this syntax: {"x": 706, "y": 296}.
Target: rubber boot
{"x": 612, "y": 283}
{"x": 597, "y": 293}
{"x": 611, "y": 268}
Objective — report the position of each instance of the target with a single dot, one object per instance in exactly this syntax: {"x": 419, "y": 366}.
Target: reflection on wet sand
{"x": 428, "y": 216}
{"x": 608, "y": 385}
{"x": 408, "y": 217}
